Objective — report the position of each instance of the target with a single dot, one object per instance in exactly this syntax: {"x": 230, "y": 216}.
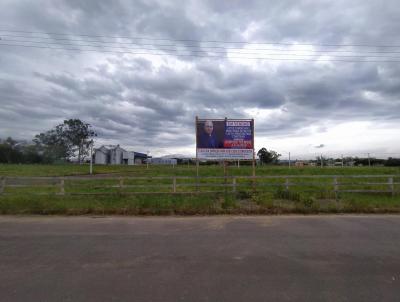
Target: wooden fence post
{"x": 121, "y": 184}
{"x": 62, "y": 189}
{"x": 287, "y": 185}
{"x": 174, "y": 184}
{"x": 2, "y": 185}
{"x": 391, "y": 186}
{"x": 335, "y": 187}
{"x": 225, "y": 179}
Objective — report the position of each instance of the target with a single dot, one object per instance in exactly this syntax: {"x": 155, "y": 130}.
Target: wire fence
{"x": 335, "y": 184}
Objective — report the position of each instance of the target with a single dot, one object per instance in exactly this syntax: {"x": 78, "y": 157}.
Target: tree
{"x": 268, "y": 157}
{"x": 9, "y": 155}
{"x": 32, "y": 155}
{"x": 69, "y": 139}
{"x": 78, "y": 135}
{"x": 52, "y": 146}
{"x": 392, "y": 162}
{"x": 10, "y": 141}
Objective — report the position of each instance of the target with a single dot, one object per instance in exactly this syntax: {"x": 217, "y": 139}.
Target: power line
{"x": 200, "y": 56}
{"x": 202, "y": 41}
{"x": 187, "y": 46}
{"x": 199, "y": 51}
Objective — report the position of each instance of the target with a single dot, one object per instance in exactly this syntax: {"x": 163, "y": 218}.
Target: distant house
{"x": 115, "y": 155}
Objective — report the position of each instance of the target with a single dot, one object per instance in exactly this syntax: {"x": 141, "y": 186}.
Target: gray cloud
{"x": 144, "y": 101}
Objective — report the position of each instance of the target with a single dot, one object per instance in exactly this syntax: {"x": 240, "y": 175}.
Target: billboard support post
{"x": 224, "y": 163}
{"x": 254, "y": 171}
{"x": 254, "y": 157}
{"x": 197, "y": 157}
{"x": 91, "y": 158}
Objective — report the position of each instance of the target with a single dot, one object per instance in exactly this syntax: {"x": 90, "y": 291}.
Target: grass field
{"x": 184, "y": 170}
{"x": 309, "y": 196}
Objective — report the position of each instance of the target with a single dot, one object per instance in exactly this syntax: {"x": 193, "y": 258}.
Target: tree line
{"x": 271, "y": 157}
{"x": 72, "y": 140}
{"x": 63, "y": 143}
{"x": 358, "y": 161}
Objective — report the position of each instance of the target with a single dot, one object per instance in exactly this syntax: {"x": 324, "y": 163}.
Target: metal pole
{"x": 289, "y": 159}
{"x": 369, "y": 161}
{"x": 342, "y": 161}
{"x": 91, "y": 159}
{"x": 322, "y": 162}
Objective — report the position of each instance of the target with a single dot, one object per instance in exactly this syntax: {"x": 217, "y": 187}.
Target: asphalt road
{"x": 263, "y": 258}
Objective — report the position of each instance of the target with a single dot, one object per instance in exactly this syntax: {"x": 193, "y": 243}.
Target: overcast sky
{"x": 309, "y": 94}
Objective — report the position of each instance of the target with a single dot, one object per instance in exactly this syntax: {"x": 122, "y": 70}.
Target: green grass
{"x": 269, "y": 195}
{"x": 184, "y": 170}
{"x": 265, "y": 203}
{"x": 100, "y": 205}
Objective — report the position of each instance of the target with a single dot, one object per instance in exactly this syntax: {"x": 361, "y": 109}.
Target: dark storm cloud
{"x": 152, "y": 101}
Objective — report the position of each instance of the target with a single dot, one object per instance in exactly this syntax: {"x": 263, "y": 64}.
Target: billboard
{"x": 219, "y": 139}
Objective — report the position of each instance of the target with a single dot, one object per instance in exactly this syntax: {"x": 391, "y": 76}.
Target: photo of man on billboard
{"x": 207, "y": 137}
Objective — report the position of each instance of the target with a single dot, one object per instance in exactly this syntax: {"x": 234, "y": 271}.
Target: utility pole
{"x": 91, "y": 158}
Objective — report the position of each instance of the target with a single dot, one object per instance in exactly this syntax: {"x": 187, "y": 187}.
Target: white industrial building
{"x": 163, "y": 161}
{"x": 115, "y": 155}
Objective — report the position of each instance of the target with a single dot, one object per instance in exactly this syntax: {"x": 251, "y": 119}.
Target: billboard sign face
{"x": 224, "y": 139}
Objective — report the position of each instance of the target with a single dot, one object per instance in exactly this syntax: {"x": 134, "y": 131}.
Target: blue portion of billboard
{"x": 238, "y": 135}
